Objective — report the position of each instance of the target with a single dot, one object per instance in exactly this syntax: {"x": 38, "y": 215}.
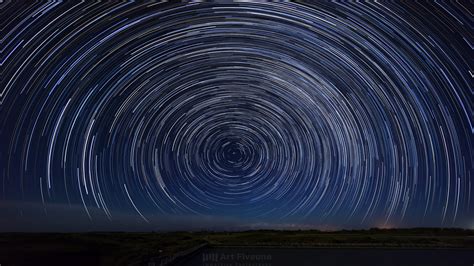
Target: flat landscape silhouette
{"x": 417, "y": 245}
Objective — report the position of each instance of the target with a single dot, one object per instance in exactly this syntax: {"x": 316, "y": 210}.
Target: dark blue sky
{"x": 126, "y": 116}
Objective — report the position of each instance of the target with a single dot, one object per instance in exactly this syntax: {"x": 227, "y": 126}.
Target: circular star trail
{"x": 337, "y": 113}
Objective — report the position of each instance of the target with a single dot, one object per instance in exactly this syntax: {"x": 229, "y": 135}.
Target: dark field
{"x": 328, "y": 257}
{"x": 397, "y": 246}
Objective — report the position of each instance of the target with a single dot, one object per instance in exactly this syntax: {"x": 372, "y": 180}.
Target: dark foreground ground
{"x": 328, "y": 257}
{"x": 423, "y": 246}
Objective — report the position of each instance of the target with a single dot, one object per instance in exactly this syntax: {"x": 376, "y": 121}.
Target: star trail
{"x": 342, "y": 114}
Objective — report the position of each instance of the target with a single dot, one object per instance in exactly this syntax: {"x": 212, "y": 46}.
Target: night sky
{"x": 126, "y": 116}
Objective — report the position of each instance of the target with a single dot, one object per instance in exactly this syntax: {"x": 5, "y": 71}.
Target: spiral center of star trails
{"x": 235, "y": 155}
